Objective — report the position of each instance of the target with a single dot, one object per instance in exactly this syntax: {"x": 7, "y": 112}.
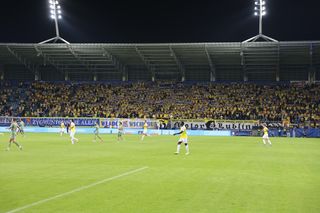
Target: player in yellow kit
{"x": 265, "y": 137}
{"x": 183, "y": 139}
{"x": 145, "y": 130}
{"x": 62, "y": 128}
{"x": 73, "y": 131}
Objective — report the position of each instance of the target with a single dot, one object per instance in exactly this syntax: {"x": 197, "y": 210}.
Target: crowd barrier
{"x": 138, "y": 123}
{"x": 84, "y": 130}
{"x": 296, "y": 132}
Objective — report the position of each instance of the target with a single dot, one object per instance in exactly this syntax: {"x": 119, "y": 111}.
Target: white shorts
{"x": 265, "y": 136}
{"x": 72, "y": 134}
{"x": 183, "y": 140}
{"x": 144, "y": 131}
{"x": 62, "y": 130}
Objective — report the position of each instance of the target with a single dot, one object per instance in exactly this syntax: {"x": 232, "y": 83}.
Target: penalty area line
{"x": 78, "y": 189}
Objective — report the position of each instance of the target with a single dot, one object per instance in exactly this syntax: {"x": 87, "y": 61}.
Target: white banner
{"x": 217, "y": 125}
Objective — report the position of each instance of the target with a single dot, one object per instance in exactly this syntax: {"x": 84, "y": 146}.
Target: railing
{"x": 137, "y": 123}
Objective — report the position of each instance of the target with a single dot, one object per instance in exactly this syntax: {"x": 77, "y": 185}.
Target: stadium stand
{"x": 299, "y": 103}
{"x": 102, "y": 80}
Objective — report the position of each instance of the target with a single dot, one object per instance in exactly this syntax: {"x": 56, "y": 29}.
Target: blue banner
{"x": 43, "y": 122}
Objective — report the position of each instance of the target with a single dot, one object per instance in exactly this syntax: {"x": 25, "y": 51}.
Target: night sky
{"x": 119, "y": 21}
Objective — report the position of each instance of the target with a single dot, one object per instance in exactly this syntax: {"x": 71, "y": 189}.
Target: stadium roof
{"x": 191, "y": 61}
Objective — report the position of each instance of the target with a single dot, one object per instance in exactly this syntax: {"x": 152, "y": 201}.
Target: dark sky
{"x": 119, "y": 21}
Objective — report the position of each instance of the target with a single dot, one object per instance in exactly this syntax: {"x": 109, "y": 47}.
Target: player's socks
{"x": 142, "y": 137}
{"x": 178, "y": 149}
{"x": 17, "y": 144}
{"x": 187, "y": 148}
{"x": 9, "y": 146}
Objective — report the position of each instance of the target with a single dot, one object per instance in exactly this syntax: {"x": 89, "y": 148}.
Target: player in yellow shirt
{"x": 265, "y": 137}
{"x": 183, "y": 139}
{"x": 145, "y": 130}
{"x": 62, "y": 128}
{"x": 73, "y": 131}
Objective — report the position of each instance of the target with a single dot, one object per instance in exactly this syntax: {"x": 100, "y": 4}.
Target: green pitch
{"x": 222, "y": 174}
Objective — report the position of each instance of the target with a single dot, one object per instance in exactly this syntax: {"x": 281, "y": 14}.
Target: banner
{"x": 5, "y": 121}
{"x": 135, "y": 123}
{"x": 50, "y": 122}
{"x": 57, "y": 121}
{"x": 217, "y": 125}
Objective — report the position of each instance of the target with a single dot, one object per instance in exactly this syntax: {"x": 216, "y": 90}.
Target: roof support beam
{"x": 1, "y": 72}
{"x": 83, "y": 63}
{"x": 31, "y": 67}
{"x": 46, "y": 59}
{"x": 146, "y": 63}
{"x": 66, "y": 76}
{"x": 243, "y": 64}
{"x": 211, "y": 65}
{"x": 312, "y": 69}
{"x": 278, "y": 65}
{"x": 180, "y": 65}
{"x": 118, "y": 65}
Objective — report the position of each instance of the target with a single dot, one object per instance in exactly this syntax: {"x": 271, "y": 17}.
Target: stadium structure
{"x": 231, "y": 61}
{"x": 51, "y": 170}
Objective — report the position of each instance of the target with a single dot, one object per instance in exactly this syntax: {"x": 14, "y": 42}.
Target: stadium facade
{"x": 232, "y": 61}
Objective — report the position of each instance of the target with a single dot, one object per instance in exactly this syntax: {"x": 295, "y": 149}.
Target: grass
{"x": 222, "y": 174}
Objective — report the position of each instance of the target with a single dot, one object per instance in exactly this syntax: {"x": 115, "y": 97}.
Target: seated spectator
{"x": 236, "y": 101}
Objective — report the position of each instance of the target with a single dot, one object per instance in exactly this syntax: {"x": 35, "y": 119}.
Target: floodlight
{"x": 55, "y": 14}
{"x": 260, "y": 10}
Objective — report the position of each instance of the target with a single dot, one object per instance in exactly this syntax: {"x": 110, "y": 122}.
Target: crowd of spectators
{"x": 238, "y": 101}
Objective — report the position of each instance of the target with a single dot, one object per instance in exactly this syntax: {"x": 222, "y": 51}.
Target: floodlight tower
{"x": 56, "y": 15}
{"x": 260, "y": 10}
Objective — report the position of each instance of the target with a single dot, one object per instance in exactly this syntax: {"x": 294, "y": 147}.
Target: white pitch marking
{"x": 77, "y": 190}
